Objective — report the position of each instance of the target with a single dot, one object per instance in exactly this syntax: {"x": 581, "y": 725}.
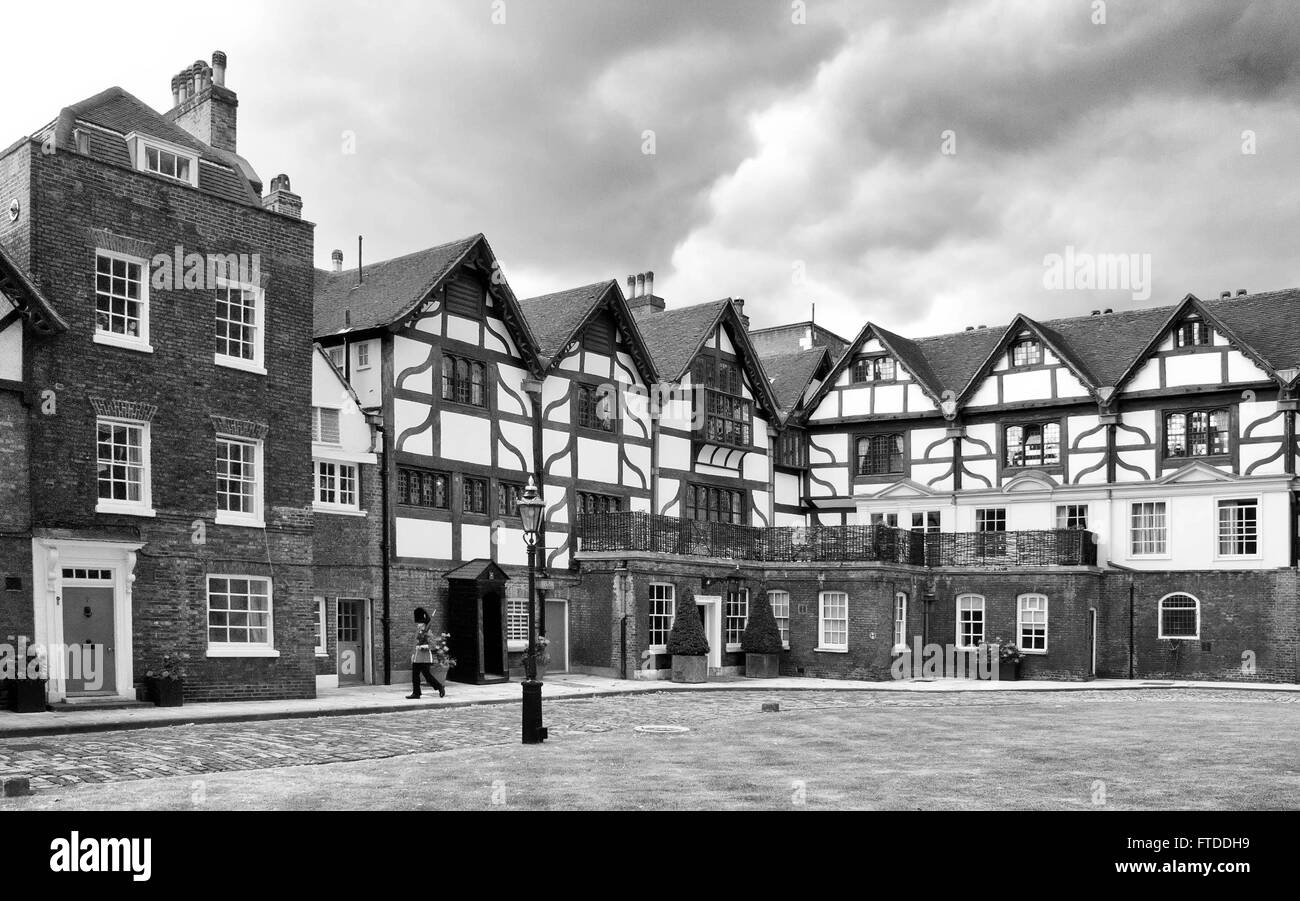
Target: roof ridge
{"x": 401, "y": 258}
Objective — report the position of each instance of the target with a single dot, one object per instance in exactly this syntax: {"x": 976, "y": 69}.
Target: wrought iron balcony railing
{"x": 650, "y": 533}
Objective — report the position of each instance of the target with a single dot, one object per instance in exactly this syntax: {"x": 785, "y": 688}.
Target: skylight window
{"x": 161, "y": 158}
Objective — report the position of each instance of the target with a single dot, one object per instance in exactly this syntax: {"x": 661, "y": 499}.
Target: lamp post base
{"x": 534, "y": 731}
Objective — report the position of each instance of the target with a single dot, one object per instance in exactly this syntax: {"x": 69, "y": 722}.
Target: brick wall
{"x": 71, "y": 196}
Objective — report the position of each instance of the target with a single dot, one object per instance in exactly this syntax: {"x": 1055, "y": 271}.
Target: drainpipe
{"x": 533, "y": 387}
{"x": 385, "y": 458}
{"x": 1130, "y": 628}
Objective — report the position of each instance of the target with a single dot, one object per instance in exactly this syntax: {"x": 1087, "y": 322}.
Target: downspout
{"x": 385, "y": 459}
{"x": 1131, "y": 668}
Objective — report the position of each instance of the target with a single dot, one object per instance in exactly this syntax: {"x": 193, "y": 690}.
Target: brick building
{"x": 156, "y": 422}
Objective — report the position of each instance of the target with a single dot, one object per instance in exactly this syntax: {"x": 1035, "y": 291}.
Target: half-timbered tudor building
{"x": 154, "y": 333}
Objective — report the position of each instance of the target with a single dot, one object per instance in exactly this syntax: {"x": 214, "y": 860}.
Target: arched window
{"x": 1180, "y": 616}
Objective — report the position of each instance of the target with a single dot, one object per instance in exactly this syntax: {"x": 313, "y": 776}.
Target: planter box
{"x": 26, "y": 695}
{"x": 167, "y": 692}
{"x": 762, "y": 666}
{"x": 1009, "y": 672}
{"x": 690, "y": 669}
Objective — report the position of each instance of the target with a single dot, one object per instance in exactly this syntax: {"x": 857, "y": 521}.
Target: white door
{"x": 710, "y": 609}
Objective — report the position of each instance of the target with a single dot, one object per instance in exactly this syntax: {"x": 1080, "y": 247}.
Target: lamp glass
{"x": 530, "y": 509}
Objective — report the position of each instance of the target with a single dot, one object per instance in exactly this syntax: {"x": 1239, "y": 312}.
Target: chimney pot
{"x": 176, "y": 90}
{"x": 1224, "y": 295}
{"x": 1096, "y": 313}
{"x": 337, "y": 259}
{"x": 219, "y": 67}
{"x": 1241, "y": 292}
{"x": 631, "y": 287}
{"x": 650, "y": 284}
{"x": 640, "y": 285}
{"x": 282, "y": 199}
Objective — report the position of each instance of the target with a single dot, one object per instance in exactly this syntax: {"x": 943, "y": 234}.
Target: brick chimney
{"x": 203, "y": 105}
{"x": 641, "y": 298}
{"x": 282, "y": 200}
{"x": 336, "y": 258}
{"x": 740, "y": 308}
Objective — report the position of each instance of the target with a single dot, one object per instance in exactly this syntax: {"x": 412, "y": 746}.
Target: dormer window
{"x": 874, "y": 369}
{"x": 162, "y": 158}
{"x": 1193, "y": 333}
{"x": 1026, "y": 352}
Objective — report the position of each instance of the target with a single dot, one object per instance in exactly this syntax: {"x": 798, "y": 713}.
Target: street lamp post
{"x": 531, "y": 507}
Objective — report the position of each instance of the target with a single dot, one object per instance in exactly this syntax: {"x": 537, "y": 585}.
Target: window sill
{"x": 515, "y": 646}
{"x": 237, "y": 363}
{"x": 125, "y": 510}
{"x": 1149, "y": 557}
{"x": 831, "y": 650}
{"x": 320, "y": 653}
{"x": 337, "y": 511}
{"x": 732, "y": 647}
{"x": 227, "y": 520}
{"x": 1029, "y": 653}
{"x": 900, "y": 649}
{"x": 1179, "y": 638}
{"x": 658, "y": 649}
{"x": 227, "y": 651}
{"x": 113, "y": 339}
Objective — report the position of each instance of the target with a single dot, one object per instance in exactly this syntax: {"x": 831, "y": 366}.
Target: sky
{"x": 923, "y": 165}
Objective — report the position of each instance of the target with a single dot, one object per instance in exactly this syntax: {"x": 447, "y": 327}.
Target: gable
{"x": 1196, "y": 471}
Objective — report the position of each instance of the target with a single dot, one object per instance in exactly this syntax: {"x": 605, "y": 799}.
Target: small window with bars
{"x": 464, "y": 381}
{"x": 874, "y": 369}
{"x": 589, "y": 502}
{"x": 1197, "y": 433}
{"x": 509, "y": 494}
{"x": 1180, "y": 616}
{"x": 594, "y": 407}
{"x": 735, "y": 617}
{"x": 1026, "y": 352}
{"x": 711, "y": 504}
{"x": 1239, "y": 527}
{"x": 421, "y": 488}
{"x": 880, "y": 455}
{"x": 474, "y": 496}
{"x": 517, "y": 620}
{"x": 663, "y": 601}
{"x": 1193, "y": 332}
{"x": 792, "y": 448}
{"x": 1033, "y": 444}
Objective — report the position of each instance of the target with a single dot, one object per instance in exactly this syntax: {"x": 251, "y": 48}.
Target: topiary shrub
{"x": 761, "y": 634}
{"x": 687, "y": 636}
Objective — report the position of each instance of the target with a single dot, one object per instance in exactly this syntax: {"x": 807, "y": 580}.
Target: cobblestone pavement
{"x": 224, "y": 747}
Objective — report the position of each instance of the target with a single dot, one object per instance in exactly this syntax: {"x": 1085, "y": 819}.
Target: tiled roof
{"x": 555, "y": 318}
{"x": 221, "y": 173}
{"x": 955, "y": 358}
{"x": 1106, "y": 345}
{"x": 791, "y": 373}
{"x": 1265, "y": 322}
{"x": 388, "y": 290}
{"x": 675, "y": 336}
{"x": 27, "y": 298}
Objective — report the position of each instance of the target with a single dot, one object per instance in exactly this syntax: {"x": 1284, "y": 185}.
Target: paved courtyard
{"x": 65, "y": 763}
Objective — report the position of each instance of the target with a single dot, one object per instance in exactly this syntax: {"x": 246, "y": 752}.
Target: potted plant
{"x": 27, "y": 684}
{"x": 442, "y": 659}
{"x": 1009, "y": 657}
{"x": 761, "y": 641}
{"x": 686, "y": 642}
{"x": 167, "y": 682}
{"x": 543, "y": 655}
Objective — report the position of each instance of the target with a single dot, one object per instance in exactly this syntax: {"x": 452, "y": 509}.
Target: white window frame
{"x": 1132, "y": 531}
{"x": 353, "y": 508}
{"x": 241, "y": 649}
{"x": 336, "y": 355}
{"x": 318, "y": 426}
{"x": 822, "y": 618}
{"x": 1218, "y": 527}
{"x": 144, "y": 506}
{"x": 1062, "y": 513}
{"x": 139, "y": 342}
{"x": 671, "y": 599}
{"x": 984, "y": 620}
{"x": 138, "y": 144}
{"x": 1021, "y": 609}
{"x": 363, "y": 347}
{"x": 255, "y": 519}
{"x": 512, "y": 616}
{"x": 321, "y": 634}
{"x": 256, "y": 365}
{"x": 782, "y": 621}
{"x": 743, "y": 603}
{"x": 900, "y": 621}
{"x": 1160, "y": 617}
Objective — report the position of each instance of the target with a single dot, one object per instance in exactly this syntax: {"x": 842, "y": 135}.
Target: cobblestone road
{"x": 224, "y": 747}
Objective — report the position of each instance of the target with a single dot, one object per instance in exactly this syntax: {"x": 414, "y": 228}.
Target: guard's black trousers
{"x": 418, "y": 669}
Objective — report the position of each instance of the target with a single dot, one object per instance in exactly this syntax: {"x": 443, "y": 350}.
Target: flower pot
{"x": 1008, "y": 672}
{"x": 690, "y": 669}
{"x": 762, "y": 666}
{"x": 27, "y": 695}
{"x": 167, "y": 692}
